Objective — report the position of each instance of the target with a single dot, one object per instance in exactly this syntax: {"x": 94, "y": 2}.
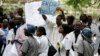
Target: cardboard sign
{"x": 49, "y": 7}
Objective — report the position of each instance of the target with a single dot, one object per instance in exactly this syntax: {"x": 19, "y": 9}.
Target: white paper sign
{"x": 32, "y": 14}
{"x": 49, "y": 7}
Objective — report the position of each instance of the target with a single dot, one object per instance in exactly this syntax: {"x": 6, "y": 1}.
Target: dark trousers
{"x": 99, "y": 51}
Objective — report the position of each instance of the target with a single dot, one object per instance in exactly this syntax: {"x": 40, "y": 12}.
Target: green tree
{"x": 78, "y": 4}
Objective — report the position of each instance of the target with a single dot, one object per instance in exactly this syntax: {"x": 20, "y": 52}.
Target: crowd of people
{"x": 68, "y": 36}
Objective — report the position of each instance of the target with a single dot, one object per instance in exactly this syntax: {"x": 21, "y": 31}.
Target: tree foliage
{"x": 78, "y": 4}
{"x": 8, "y": 7}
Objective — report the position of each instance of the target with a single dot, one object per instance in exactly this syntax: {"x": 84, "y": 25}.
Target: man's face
{"x": 5, "y": 24}
{"x": 17, "y": 20}
{"x": 61, "y": 30}
{"x": 77, "y": 26}
{"x": 58, "y": 20}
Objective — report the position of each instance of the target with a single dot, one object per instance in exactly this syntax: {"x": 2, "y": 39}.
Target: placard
{"x": 49, "y": 7}
{"x": 32, "y": 14}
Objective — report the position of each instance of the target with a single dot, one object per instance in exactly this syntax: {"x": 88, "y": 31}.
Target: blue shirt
{"x": 5, "y": 35}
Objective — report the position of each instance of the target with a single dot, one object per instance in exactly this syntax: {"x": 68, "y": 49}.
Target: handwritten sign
{"x": 49, "y": 7}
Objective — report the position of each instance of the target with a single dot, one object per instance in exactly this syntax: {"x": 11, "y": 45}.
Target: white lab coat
{"x": 44, "y": 46}
{"x": 1, "y": 32}
{"x": 53, "y": 33}
{"x": 97, "y": 42}
{"x": 76, "y": 44}
{"x": 94, "y": 28}
{"x": 10, "y": 35}
{"x": 67, "y": 43}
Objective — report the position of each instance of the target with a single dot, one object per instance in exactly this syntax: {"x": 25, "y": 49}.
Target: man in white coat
{"x": 54, "y": 35}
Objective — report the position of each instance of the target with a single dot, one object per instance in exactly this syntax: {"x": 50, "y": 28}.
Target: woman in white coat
{"x": 70, "y": 41}
{"x": 64, "y": 45}
{"x": 44, "y": 45}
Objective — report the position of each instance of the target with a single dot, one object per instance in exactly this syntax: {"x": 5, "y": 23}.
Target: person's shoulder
{"x": 44, "y": 37}
{"x": 1, "y": 32}
{"x": 44, "y": 40}
{"x": 11, "y": 31}
{"x": 29, "y": 39}
{"x": 22, "y": 26}
{"x": 85, "y": 42}
{"x": 93, "y": 25}
{"x": 70, "y": 34}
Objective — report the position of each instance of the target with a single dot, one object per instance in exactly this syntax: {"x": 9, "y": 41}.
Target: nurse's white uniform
{"x": 53, "y": 33}
{"x": 44, "y": 46}
{"x": 75, "y": 44}
{"x": 97, "y": 42}
{"x": 66, "y": 44}
{"x": 93, "y": 28}
{"x": 10, "y": 35}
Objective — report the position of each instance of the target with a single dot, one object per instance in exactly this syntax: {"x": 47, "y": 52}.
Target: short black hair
{"x": 12, "y": 24}
{"x": 84, "y": 18}
{"x": 89, "y": 17}
{"x": 71, "y": 18}
{"x": 66, "y": 28}
{"x": 42, "y": 29}
{"x": 20, "y": 11}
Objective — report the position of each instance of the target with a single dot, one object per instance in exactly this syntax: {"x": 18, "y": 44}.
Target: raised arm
{"x": 62, "y": 13}
{"x": 48, "y": 22}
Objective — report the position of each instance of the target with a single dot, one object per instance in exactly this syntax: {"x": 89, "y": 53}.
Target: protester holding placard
{"x": 56, "y": 35}
{"x": 54, "y": 29}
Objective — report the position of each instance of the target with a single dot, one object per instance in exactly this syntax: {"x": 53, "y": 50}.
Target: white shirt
{"x": 98, "y": 31}
{"x": 10, "y": 35}
{"x": 76, "y": 44}
{"x": 53, "y": 33}
{"x": 67, "y": 43}
{"x": 94, "y": 28}
{"x": 1, "y": 32}
{"x": 97, "y": 41}
{"x": 44, "y": 46}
